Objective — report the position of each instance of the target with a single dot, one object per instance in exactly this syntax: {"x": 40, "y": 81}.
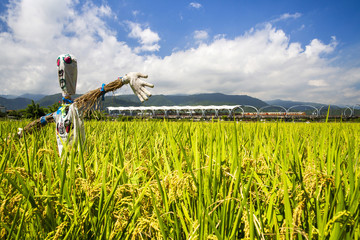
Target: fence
{"x": 237, "y": 111}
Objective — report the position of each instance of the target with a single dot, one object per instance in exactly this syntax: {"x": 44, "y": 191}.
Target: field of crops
{"x": 183, "y": 180}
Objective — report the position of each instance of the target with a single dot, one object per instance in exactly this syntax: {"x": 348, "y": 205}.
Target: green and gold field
{"x": 183, "y": 180}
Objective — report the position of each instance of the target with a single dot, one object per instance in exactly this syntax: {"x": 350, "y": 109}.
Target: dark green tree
{"x": 34, "y": 110}
{"x": 17, "y": 114}
{"x": 52, "y": 108}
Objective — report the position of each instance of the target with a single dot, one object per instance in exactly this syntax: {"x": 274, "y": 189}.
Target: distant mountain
{"x": 216, "y": 99}
{"x": 34, "y": 97}
{"x": 166, "y": 100}
{"x": 182, "y": 100}
{"x": 155, "y": 100}
{"x": 12, "y": 102}
{"x": 288, "y": 104}
{"x": 49, "y": 100}
{"x": 52, "y": 99}
{"x": 124, "y": 101}
{"x": 9, "y": 96}
{"x": 15, "y": 104}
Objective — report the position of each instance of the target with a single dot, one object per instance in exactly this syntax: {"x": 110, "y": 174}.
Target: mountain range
{"x": 21, "y": 102}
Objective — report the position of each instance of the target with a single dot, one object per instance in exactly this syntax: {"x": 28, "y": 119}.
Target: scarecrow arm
{"x": 88, "y": 100}
{"x": 36, "y": 124}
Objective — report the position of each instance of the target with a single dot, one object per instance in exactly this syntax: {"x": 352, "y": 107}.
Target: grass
{"x": 186, "y": 180}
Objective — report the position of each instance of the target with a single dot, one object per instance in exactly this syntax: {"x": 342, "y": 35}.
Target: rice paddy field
{"x": 183, "y": 180}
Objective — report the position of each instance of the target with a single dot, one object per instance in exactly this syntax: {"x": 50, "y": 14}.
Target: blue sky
{"x": 291, "y": 50}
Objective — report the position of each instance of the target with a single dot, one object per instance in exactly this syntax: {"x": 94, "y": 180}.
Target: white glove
{"x": 20, "y": 132}
{"x": 138, "y": 85}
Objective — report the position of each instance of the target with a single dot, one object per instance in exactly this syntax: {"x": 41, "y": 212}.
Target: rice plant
{"x": 183, "y": 180}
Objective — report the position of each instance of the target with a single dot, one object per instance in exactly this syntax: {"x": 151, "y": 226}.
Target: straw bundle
{"x": 36, "y": 124}
{"x": 85, "y": 103}
{"x": 89, "y": 100}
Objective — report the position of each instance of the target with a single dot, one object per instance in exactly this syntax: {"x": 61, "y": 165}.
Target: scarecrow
{"x": 68, "y": 118}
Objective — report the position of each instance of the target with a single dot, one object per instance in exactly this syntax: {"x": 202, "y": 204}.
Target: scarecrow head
{"x": 67, "y": 74}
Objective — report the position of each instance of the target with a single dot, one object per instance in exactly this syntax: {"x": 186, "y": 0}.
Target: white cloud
{"x": 201, "y": 35}
{"x": 318, "y": 83}
{"x": 147, "y": 38}
{"x": 262, "y": 62}
{"x": 195, "y": 5}
{"x": 135, "y": 12}
{"x": 39, "y": 32}
{"x": 316, "y": 47}
{"x": 287, "y": 16}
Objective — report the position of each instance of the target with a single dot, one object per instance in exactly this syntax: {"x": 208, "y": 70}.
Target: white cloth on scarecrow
{"x": 69, "y": 126}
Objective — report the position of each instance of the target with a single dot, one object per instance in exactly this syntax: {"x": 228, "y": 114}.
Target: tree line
{"x": 32, "y": 111}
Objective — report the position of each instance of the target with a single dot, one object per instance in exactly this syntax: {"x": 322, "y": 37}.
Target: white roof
{"x": 169, "y": 108}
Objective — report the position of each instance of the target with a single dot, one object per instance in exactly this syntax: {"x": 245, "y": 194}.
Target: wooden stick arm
{"x": 36, "y": 124}
{"x": 84, "y": 102}
{"x": 87, "y": 101}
